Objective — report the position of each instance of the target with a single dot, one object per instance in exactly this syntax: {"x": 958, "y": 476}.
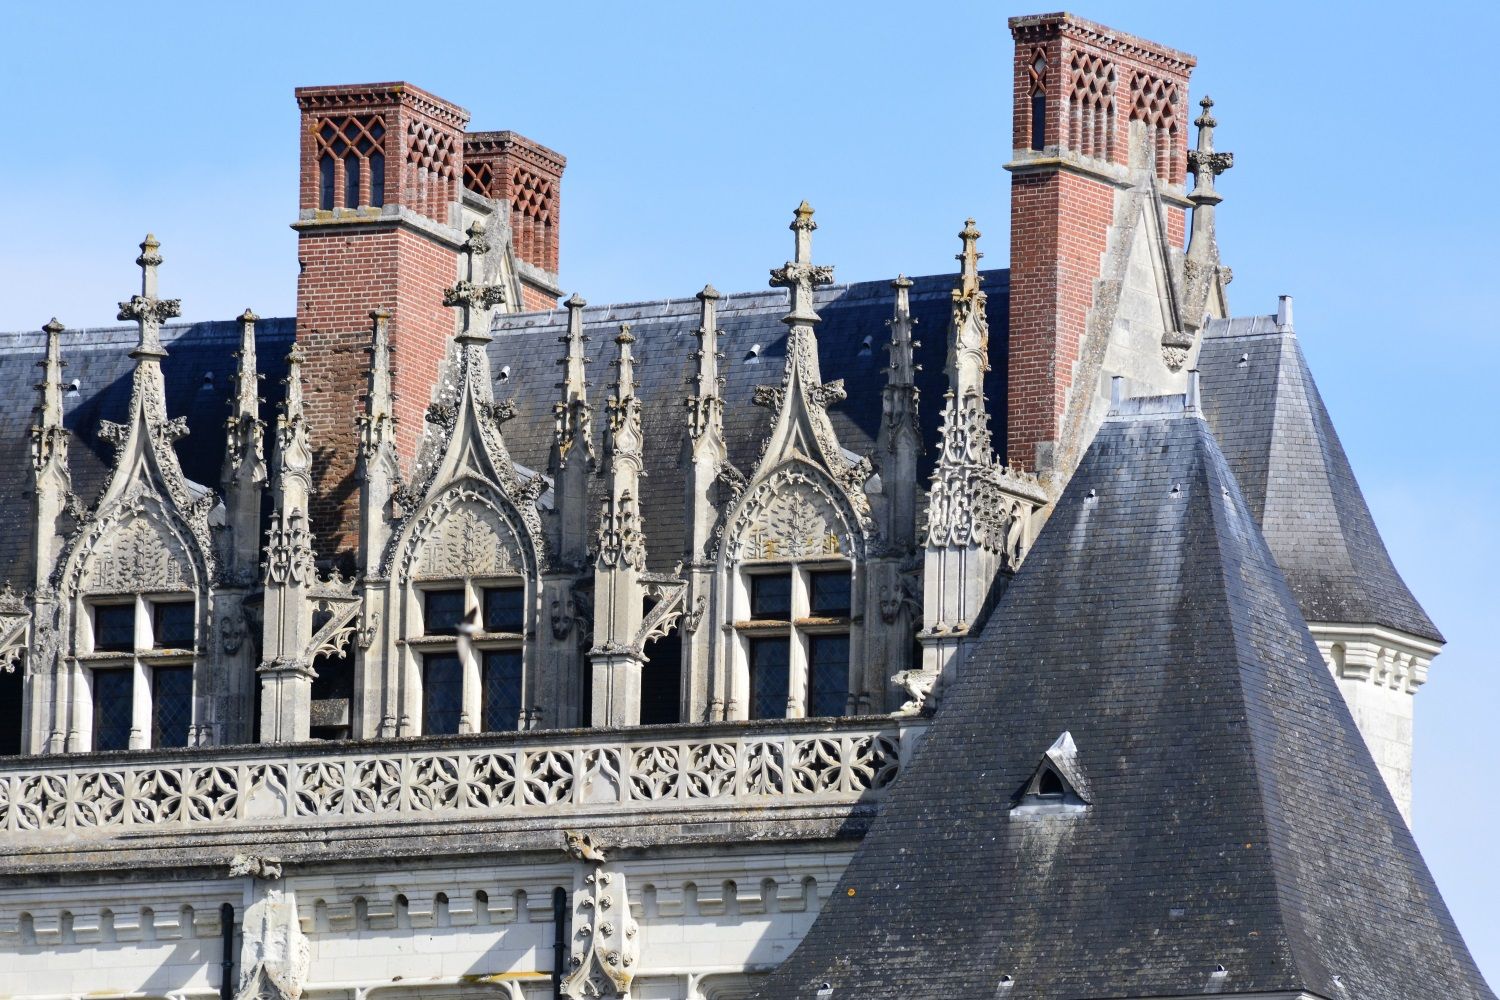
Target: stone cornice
{"x": 351, "y": 220}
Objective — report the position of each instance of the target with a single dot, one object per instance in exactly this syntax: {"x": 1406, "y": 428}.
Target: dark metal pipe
{"x": 226, "y": 967}
{"x": 559, "y": 939}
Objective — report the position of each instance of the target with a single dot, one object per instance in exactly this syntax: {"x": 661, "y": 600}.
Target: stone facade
{"x": 387, "y": 711}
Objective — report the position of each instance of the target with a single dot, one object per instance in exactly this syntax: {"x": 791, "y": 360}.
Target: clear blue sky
{"x": 1363, "y": 185}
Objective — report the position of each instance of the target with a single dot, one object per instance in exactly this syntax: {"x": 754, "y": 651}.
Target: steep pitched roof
{"x": 1235, "y": 820}
{"x": 99, "y": 358}
{"x": 527, "y": 347}
{"x": 1270, "y": 421}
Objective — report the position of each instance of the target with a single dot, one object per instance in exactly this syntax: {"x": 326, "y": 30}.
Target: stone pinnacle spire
{"x": 706, "y": 405}
{"x": 377, "y": 425}
{"x": 244, "y": 451}
{"x": 49, "y": 441}
{"x": 293, "y": 452}
{"x": 902, "y": 368}
{"x": 969, "y": 260}
{"x": 572, "y": 413}
{"x": 620, "y": 538}
{"x": 145, "y": 308}
{"x": 968, "y": 343}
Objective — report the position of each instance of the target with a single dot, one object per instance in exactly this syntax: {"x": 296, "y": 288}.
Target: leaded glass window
{"x": 442, "y": 693}
{"x": 171, "y": 706}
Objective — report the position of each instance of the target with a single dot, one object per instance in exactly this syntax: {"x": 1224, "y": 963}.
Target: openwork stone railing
{"x": 525, "y": 774}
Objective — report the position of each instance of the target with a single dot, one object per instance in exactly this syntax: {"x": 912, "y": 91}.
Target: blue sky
{"x": 1362, "y": 185}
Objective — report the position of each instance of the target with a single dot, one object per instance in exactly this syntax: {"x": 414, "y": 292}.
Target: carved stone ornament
{"x": 621, "y": 541}
{"x": 606, "y": 940}
{"x": 792, "y": 514}
{"x": 274, "y": 954}
{"x": 289, "y": 552}
{"x": 139, "y": 555}
{"x": 14, "y": 617}
{"x": 468, "y": 529}
{"x": 470, "y": 541}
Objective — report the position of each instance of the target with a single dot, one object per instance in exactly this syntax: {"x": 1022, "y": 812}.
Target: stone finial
{"x": 625, "y": 365}
{"x": 145, "y": 308}
{"x": 470, "y": 295}
{"x": 800, "y": 274}
{"x": 902, "y": 368}
{"x": 1204, "y": 163}
{"x": 969, "y": 260}
{"x": 706, "y": 405}
{"x": 246, "y": 398}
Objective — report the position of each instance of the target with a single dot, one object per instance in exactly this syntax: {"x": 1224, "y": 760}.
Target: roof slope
{"x": 99, "y": 358}
{"x": 1270, "y": 420}
{"x": 527, "y": 347}
{"x": 1236, "y": 818}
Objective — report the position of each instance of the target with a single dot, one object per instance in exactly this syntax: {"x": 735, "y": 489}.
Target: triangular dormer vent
{"x": 1058, "y": 783}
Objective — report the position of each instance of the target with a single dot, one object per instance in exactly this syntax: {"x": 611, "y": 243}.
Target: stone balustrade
{"x": 733, "y": 766}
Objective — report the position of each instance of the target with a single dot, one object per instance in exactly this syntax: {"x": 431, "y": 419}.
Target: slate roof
{"x": 1273, "y": 427}
{"x": 99, "y": 358}
{"x": 528, "y": 345}
{"x": 1236, "y": 821}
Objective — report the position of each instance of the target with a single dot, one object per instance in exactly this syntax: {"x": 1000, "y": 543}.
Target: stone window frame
{"x": 420, "y": 644}
{"x": 142, "y": 661}
{"x": 798, "y": 630}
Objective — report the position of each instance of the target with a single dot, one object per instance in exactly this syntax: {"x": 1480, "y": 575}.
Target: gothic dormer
{"x": 130, "y": 665}
{"x": 792, "y": 542}
{"x": 462, "y": 569}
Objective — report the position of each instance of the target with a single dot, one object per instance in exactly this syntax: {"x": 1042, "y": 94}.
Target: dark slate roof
{"x": 1236, "y": 817}
{"x": 99, "y": 358}
{"x": 528, "y": 345}
{"x": 1273, "y": 427}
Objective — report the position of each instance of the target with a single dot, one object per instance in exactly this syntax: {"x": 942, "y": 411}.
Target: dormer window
{"x": 139, "y": 660}
{"x": 1057, "y": 785}
{"x": 471, "y": 650}
{"x": 796, "y": 640}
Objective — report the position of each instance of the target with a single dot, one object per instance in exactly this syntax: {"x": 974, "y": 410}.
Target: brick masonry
{"x": 1110, "y": 101}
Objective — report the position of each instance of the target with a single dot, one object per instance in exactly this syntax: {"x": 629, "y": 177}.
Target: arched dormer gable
{"x": 147, "y": 505}
{"x": 801, "y": 433}
{"x": 469, "y": 528}
{"x": 463, "y": 449}
{"x": 796, "y": 511}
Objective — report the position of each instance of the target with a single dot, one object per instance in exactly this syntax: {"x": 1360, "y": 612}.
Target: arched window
{"x": 325, "y": 182}
{"x": 351, "y": 181}
{"x": 1037, "y": 77}
{"x": 377, "y": 178}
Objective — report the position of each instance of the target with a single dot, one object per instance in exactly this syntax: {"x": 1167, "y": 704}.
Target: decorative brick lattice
{"x": 350, "y": 151}
{"x": 433, "y": 157}
{"x": 1153, "y": 101}
{"x": 1091, "y": 105}
{"x": 480, "y": 177}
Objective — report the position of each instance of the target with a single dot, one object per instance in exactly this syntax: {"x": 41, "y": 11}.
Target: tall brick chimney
{"x": 1095, "y": 111}
{"x": 382, "y": 167}
{"x": 527, "y": 177}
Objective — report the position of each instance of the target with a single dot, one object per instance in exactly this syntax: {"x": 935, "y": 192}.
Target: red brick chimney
{"x": 527, "y": 177}
{"x": 378, "y": 228}
{"x": 1094, "y": 108}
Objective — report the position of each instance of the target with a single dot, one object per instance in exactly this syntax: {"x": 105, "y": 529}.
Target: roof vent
{"x": 752, "y": 356}
{"x": 1058, "y": 784}
{"x": 73, "y": 388}
{"x": 503, "y": 375}
{"x": 867, "y": 346}
{"x": 825, "y": 990}
{"x": 208, "y": 382}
